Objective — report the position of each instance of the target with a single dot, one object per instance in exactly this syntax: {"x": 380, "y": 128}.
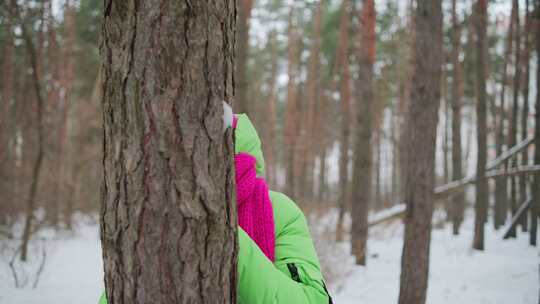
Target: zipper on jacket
{"x": 294, "y": 272}
{"x": 327, "y": 293}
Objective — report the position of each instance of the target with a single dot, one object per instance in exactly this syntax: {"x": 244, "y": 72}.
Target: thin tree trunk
{"x": 395, "y": 157}
{"x": 6, "y": 160}
{"x": 525, "y": 112}
{"x": 404, "y": 103}
{"x": 52, "y": 109}
{"x": 321, "y": 127}
{"x": 514, "y": 121}
{"x": 446, "y": 137}
{"x": 458, "y": 200}
{"x": 501, "y": 184}
{"x": 345, "y": 105}
{"x": 377, "y": 125}
{"x": 322, "y": 174}
{"x": 242, "y": 49}
{"x": 270, "y": 142}
{"x": 362, "y": 169}
{"x": 377, "y": 168}
{"x": 481, "y": 125}
{"x": 290, "y": 130}
{"x": 36, "y": 170}
{"x": 536, "y": 181}
{"x": 421, "y": 132}
{"x": 62, "y": 161}
{"x": 308, "y": 118}
{"x": 168, "y": 211}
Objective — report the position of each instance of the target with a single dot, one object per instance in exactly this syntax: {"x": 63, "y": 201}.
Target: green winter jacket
{"x": 295, "y": 276}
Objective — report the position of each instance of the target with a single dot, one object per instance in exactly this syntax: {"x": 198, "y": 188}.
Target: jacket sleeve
{"x": 295, "y": 276}
{"x": 103, "y": 298}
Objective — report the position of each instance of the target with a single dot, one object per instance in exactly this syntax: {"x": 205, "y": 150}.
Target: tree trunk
{"x": 446, "y": 136}
{"x": 525, "y": 111}
{"x": 421, "y": 132}
{"x": 445, "y": 148}
{"x": 168, "y": 212}
{"x": 512, "y": 133}
{"x": 52, "y": 109}
{"x": 404, "y": 102}
{"x": 6, "y": 161}
{"x": 377, "y": 168}
{"x": 501, "y": 184}
{"x": 68, "y": 78}
{"x": 306, "y": 138}
{"x": 536, "y": 182}
{"x": 36, "y": 170}
{"x": 345, "y": 105}
{"x": 481, "y": 125}
{"x": 321, "y": 129}
{"x": 395, "y": 157}
{"x": 362, "y": 169}
{"x": 322, "y": 174}
{"x": 458, "y": 200}
{"x": 242, "y": 49}
{"x": 270, "y": 130}
{"x": 291, "y": 126}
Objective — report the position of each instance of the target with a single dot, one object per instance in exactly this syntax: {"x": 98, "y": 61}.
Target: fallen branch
{"x": 450, "y": 188}
{"x": 41, "y": 266}
{"x": 509, "y": 153}
{"x": 447, "y": 189}
{"x": 391, "y": 216}
{"x": 522, "y": 209}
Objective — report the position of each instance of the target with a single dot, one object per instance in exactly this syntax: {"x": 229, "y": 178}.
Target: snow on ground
{"x": 507, "y": 272}
{"x": 72, "y": 273}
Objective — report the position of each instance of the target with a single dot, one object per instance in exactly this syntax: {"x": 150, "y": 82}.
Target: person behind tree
{"x": 277, "y": 262}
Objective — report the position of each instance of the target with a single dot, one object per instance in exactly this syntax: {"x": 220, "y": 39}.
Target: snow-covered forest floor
{"x": 507, "y": 272}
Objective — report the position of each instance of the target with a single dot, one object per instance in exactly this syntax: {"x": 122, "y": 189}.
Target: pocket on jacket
{"x": 301, "y": 275}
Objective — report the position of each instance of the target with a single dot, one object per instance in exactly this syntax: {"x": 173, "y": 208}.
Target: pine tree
{"x": 168, "y": 214}
{"x": 421, "y": 132}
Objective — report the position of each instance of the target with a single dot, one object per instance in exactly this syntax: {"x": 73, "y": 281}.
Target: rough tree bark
{"x": 481, "y": 125}
{"x": 168, "y": 213}
{"x": 362, "y": 159}
{"x": 421, "y": 132}
{"x": 458, "y": 200}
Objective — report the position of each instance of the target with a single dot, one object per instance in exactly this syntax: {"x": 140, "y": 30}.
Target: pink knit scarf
{"x": 255, "y": 214}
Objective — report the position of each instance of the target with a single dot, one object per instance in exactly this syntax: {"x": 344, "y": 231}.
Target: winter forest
{"x": 404, "y": 135}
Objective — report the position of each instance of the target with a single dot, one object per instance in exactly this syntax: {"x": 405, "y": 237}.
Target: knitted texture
{"x": 255, "y": 213}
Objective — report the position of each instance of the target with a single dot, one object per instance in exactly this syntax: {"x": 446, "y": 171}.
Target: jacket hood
{"x": 247, "y": 140}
